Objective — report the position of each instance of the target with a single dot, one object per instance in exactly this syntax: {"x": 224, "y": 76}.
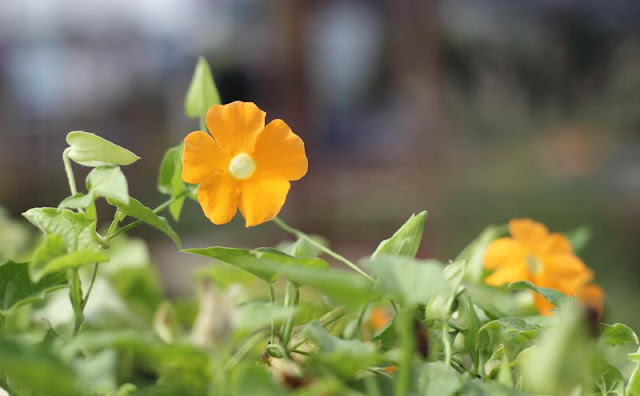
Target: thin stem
{"x": 407, "y": 348}
{"x": 75, "y": 295}
{"x": 243, "y": 350}
{"x": 447, "y": 342}
{"x": 136, "y": 223}
{"x": 320, "y": 246}
{"x": 93, "y": 280}
{"x": 272, "y": 296}
{"x": 69, "y": 171}
{"x": 294, "y": 296}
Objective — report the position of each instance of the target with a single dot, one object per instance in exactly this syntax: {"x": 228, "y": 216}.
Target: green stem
{"x": 326, "y": 319}
{"x": 93, "y": 280}
{"x": 69, "y": 171}
{"x": 136, "y": 223}
{"x": 407, "y": 348}
{"x": 320, "y": 246}
{"x": 75, "y": 295}
{"x": 203, "y": 125}
{"x": 446, "y": 340}
{"x": 272, "y": 297}
{"x": 243, "y": 350}
{"x": 293, "y": 294}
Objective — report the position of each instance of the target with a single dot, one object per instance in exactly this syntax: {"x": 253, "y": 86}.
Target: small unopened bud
{"x": 216, "y": 316}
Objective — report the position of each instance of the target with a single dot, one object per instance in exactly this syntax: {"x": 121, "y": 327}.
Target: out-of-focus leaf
{"x": 254, "y": 316}
{"x": 438, "y": 379}
{"x": 77, "y": 230}
{"x": 89, "y": 149}
{"x": 109, "y": 182}
{"x": 579, "y": 238}
{"x": 257, "y": 380}
{"x": 561, "y": 360}
{"x": 409, "y": 280}
{"x": 137, "y": 210}
{"x": 35, "y": 370}
{"x": 170, "y": 179}
{"x": 617, "y": 334}
{"x": 97, "y": 372}
{"x": 477, "y": 387}
{"x": 405, "y": 241}
{"x": 474, "y": 252}
{"x": 344, "y": 357}
{"x": 17, "y": 289}
{"x": 513, "y": 333}
{"x": 14, "y": 236}
{"x": 202, "y": 92}
{"x": 139, "y": 288}
{"x": 553, "y": 296}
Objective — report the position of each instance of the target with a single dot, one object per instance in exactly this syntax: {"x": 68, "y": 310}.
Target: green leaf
{"x": 579, "y": 238}
{"x": 633, "y": 387}
{"x": 202, "y": 92}
{"x": 137, "y": 210}
{"x": 606, "y": 380}
{"x": 89, "y": 149}
{"x": 617, "y": 334}
{"x": 405, "y": 241}
{"x": 342, "y": 287}
{"x": 77, "y": 230}
{"x": 35, "y": 370}
{"x": 257, "y": 380}
{"x": 51, "y": 256}
{"x": 553, "y": 296}
{"x": 409, "y": 280}
{"x": 256, "y": 315}
{"x": 474, "y": 252}
{"x": 77, "y": 201}
{"x": 344, "y": 357}
{"x": 17, "y": 289}
{"x": 438, "y": 379}
{"x": 513, "y": 333}
{"x": 170, "y": 179}
{"x": 109, "y": 182}
{"x": 240, "y": 258}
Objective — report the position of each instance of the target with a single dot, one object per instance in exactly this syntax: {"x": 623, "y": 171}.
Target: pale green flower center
{"x": 242, "y": 166}
{"x": 533, "y": 264}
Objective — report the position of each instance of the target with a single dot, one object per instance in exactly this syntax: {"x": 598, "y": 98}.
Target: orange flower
{"x": 243, "y": 163}
{"x": 546, "y": 260}
{"x": 379, "y": 318}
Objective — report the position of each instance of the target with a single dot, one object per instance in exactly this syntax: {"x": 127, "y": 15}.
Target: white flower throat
{"x": 242, "y": 166}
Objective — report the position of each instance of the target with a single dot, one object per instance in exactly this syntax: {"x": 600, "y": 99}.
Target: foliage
{"x": 85, "y": 314}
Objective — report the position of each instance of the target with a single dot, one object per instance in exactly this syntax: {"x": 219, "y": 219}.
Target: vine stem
{"x": 407, "y": 347}
{"x": 272, "y": 297}
{"x": 320, "y": 246}
{"x": 69, "y": 171}
{"x": 447, "y": 342}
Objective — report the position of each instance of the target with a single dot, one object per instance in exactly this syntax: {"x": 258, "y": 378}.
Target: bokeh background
{"x": 477, "y": 111}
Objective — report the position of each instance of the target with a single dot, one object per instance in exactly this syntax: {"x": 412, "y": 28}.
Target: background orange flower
{"x": 543, "y": 258}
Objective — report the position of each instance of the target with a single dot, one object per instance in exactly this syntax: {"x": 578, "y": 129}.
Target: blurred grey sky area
{"x": 479, "y": 111}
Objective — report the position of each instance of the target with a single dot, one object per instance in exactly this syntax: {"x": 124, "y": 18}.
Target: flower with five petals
{"x": 243, "y": 164}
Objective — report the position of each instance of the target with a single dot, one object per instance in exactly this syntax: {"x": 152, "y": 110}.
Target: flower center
{"x": 242, "y": 166}
{"x": 533, "y": 264}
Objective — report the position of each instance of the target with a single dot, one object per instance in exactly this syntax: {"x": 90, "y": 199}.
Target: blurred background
{"x": 476, "y": 111}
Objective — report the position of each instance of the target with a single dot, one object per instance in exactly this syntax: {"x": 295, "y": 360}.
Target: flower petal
{"x": 201, "y": 156}
{"x": 528, "y": 232}
{"x": 564, "y": 272}
{"x": 512, "y": 271}
{"x": 235, "y": 126}
{"x": 219, "y": 195}
{"x": 501, "y": 251}
{"x": 262, "y": 199}
{"x": 555, "y": 243}
{"x": 279, "y": 153}
{"x": 542, "y": 305}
